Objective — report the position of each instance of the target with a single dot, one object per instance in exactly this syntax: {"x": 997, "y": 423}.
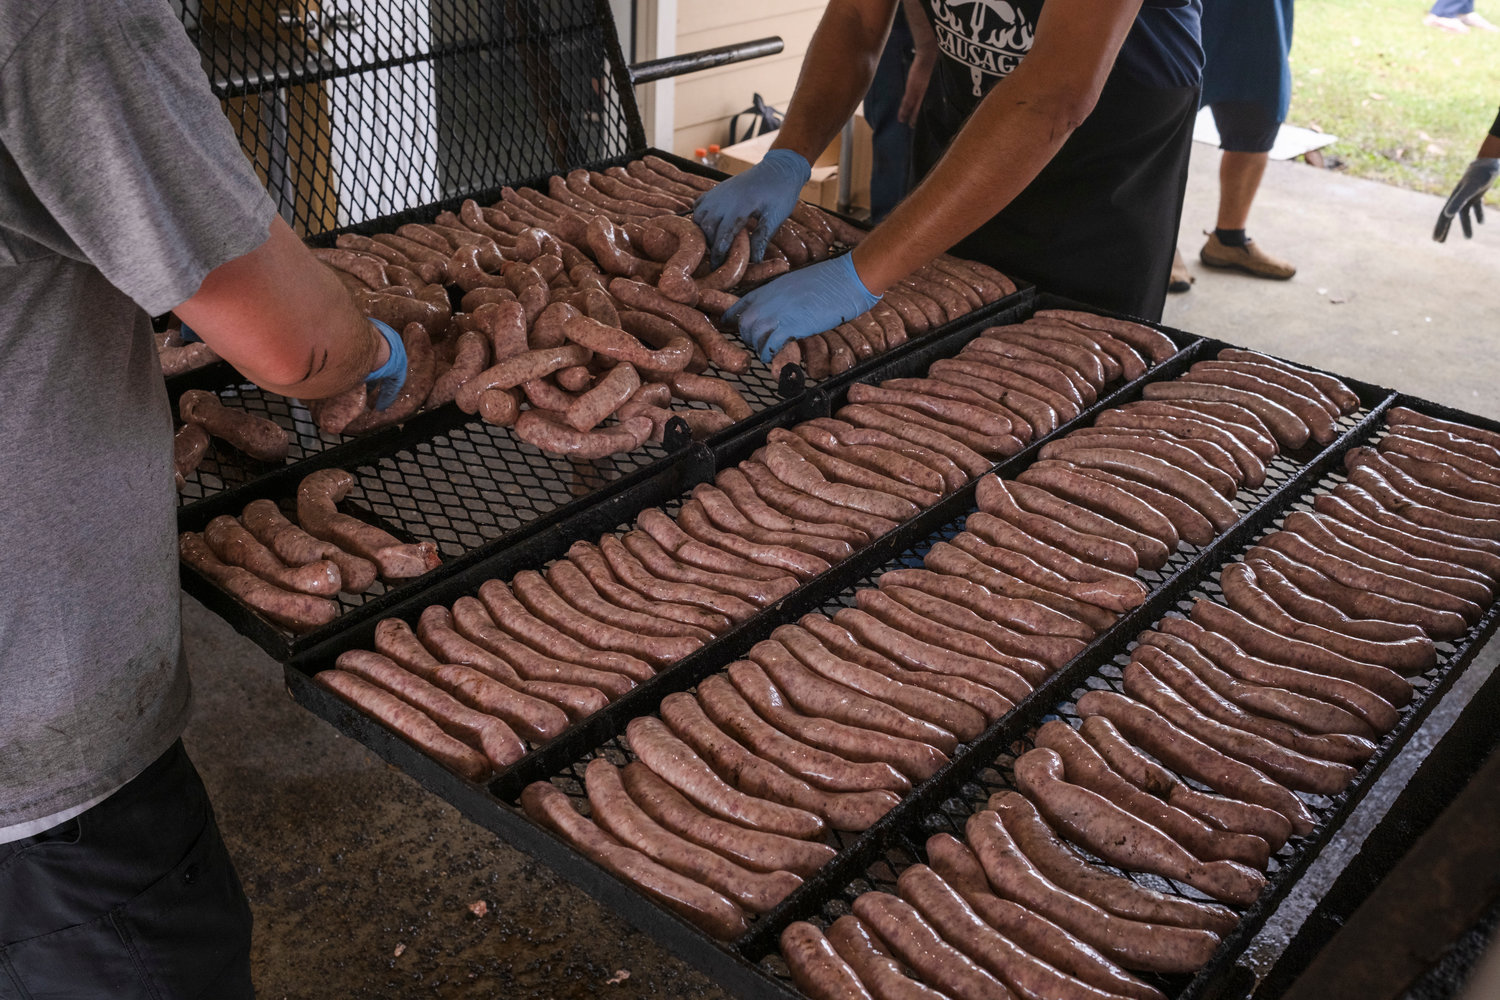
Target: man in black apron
{"x": 1054, "y": 143}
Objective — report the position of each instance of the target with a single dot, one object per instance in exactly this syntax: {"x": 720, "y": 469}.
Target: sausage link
{"x": 790, "y": 466}
{"x": 1178, "y": 749}
{"x": 718, "y": 509}
{"x": 882, "y": 975}
{"x": 1053, "y": 651}
{"x": 1110, "y": 589}
{"x": 259, "y": 437}
{"x": 955, "y": 921}
{"x": 1165, "y": 448}
{"x": 1346, "y": 694}
{"x": 958, "y": 866}
{"x": 1134, "y": 944}
{"x": 838, "y": 470}
{"x": 1403, "y": 534}
{"x": 701, "y": 905}
{"x": 410, "y": 723}
{"x": 474, "y": 623}
{"x": 189, "y": 444}
{"x": 1267, "y": 704}
{"x": 908, "y": 425}
{"x": 295, "y": 611}
{"x": 615, "y": 811}
{"x": 837, "y": 640}
{"x": 714, "y": 344}
{"x": 676, "y": 763}
{"x": 916, "y": 760}
{"x": 234, "y": 544}
{"x": 692, "y": 519}
{"x": 816, "y": 968}
{"x": 1038, "y": 584}
{"x": 726, "y": 707}
{"x": 915, "y": 943}
{"x": 1226, "y": 813}
{"x": 539, "y": 597}
{"x": 632, "y": 572}
{"x": 1333, "y": 388}
{"x": 1121, "y": 839}
{"x": 958, "y": 718}
{"x": 1083, "y": 766}
{"x": 752, "y": 849}
{"x": 1236, "y": 421}
{"x": 1146, "y": 468}
{"x": 296, "y": 547}
{"x": 890, "y": 457}
{"x": 1339, "y": 748}
{"x": 804, "y": 506}
{"x": 1157, "y": 345}
{"x": 814, "y": 694}
{"x": 1411, "y": 654}
{"x": 958, "y": 653}
{"x": 481, "y": 730}
{"x": 1103, "y": 499}
{"x": 539, "y": 710}
{"x": 1289, "y": 768}
{"x": 956, "y": 576}
{"x": 1290, "y": 431}
{"x": 1277, "y": 375}
{"x": 667, "y": 566}
{"x": 1150, "y": 553}
{"x": 1187, "y": 428}
{"x": 851, "y": 811}
{"x": 738, "y": 487}
{"x": 1313, "y": 416}
{"x": 916, "y": 654}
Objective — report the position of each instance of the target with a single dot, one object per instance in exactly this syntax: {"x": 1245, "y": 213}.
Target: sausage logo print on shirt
{"x": 988, "y": 36}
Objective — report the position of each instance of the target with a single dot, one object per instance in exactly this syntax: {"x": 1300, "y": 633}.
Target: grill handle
{"x": 694, "y": 62}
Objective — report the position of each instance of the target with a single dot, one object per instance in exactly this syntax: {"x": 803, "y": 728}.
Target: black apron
{"x": 1099, "y": 223}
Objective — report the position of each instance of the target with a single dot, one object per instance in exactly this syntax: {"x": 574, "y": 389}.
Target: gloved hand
{"x": 391, "y": 376}
{"x": 800, "y": 304}
{"x": 766, "y": 192}
{"x": 188, "y": 335}
{"x": 1469, "y": 194}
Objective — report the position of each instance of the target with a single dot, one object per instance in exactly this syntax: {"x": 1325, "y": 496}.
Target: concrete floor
{"x": 1374, "y": 296}
{"x": 362, "y": 883}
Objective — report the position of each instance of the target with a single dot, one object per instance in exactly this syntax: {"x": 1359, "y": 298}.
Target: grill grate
{"x": 361, "y": 109}
{"x": 907, "y": 847}
{"x": 1280, "y": 472}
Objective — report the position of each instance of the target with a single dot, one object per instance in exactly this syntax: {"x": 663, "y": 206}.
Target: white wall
{"x": 704, "y": 102}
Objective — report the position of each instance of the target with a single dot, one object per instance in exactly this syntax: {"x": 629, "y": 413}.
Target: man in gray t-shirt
{"x": 123, "y": 193}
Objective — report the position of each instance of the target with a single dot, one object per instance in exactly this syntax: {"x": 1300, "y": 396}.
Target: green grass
{"x": 1409, "y": 103}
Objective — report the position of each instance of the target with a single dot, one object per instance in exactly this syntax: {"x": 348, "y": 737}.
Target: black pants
{"x": 136, "y": 899}
{"x": 1099, "y": 223}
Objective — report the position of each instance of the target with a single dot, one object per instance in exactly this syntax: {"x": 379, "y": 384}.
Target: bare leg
{"x": 1239, "y": 179}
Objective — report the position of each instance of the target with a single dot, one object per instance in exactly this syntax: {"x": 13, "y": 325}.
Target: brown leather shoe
{"x": 1249, "y": 258}
{"x": 1181, "y": 280}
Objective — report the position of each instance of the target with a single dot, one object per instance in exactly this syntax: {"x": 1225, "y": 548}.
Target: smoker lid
{"x": 355, "y": 110}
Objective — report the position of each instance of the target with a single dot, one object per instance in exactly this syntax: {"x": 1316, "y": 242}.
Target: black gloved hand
{"x": 1469, "y": 194}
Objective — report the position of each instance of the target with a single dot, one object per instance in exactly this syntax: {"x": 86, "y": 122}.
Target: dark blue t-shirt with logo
{"x": 981, "y": 41}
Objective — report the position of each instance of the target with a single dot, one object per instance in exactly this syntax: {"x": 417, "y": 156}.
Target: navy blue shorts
{"x": 1244, "y": 126}
{"x": 134, "y": 899}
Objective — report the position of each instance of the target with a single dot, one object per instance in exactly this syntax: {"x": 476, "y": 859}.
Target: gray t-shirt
{"x": 121, "y": 186}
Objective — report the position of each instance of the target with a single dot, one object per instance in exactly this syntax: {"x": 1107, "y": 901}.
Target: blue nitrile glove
{"x": 1469, "y": 194}
{"x": 188, "y": 336}
{"x": 800, "y": 304}
{"x": 391, "y": 376}
{"x": 767, "y": 192}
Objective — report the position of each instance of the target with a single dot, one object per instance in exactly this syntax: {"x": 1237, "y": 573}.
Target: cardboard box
{"x": 823, "y": 187}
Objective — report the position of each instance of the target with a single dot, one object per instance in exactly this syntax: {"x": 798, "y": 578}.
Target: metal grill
{"x": 355, "y": 110}
{"x": 907, "y": 846}
{"x": 1279, "y": 473}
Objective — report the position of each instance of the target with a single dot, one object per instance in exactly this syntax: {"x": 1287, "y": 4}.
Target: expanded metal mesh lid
{"x": 352, "y": 110}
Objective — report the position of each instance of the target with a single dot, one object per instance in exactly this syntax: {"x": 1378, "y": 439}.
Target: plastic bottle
{"x": 713, "y": 155}
{"x": 701, "y": 155}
